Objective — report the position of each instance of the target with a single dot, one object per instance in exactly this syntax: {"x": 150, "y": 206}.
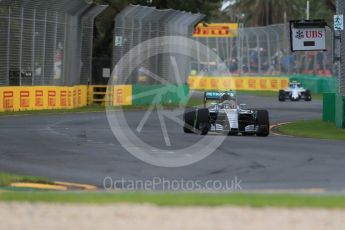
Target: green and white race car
{"x": 225, "y": 116}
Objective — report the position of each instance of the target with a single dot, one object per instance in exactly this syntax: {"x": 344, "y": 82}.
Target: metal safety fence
{"x": 136, "y": 24}
{"x": 254, "y": 51}
{"x": 339, "y": 115}
{"x": 265, "y": 51}
{"x": 46, "y": 42}
{"x": 341, "y": 10}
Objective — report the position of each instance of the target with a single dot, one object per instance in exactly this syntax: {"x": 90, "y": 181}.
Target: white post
{"x": 65, "y": 47}
{"x": 54, "y": 49}
{"x": 307, "y": 10}
{"x": 21, "y": 47}
{"x": 8, "y": 45}
{"x": 44, "y": 49}
{"x": 33, "y": 49}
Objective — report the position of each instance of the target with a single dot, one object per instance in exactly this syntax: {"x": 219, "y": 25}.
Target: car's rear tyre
{"x": 307, "y": 95}
{"x": 189, "y": 117}
{"x": 281, "y": 96}
{"x": 205, "y": 99}
{"x": 203, "y": 121}
{"x": 263, "y": 123}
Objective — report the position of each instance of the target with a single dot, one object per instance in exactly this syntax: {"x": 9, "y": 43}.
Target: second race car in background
{"x": 294, "y": 92}
{"x": 225, "y": 116}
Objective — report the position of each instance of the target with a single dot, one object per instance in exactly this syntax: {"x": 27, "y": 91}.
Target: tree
{"x": 266, "y": 12}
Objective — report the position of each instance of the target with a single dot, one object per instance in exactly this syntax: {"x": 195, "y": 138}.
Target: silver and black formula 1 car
{"x": 225, "y": 116}
{"x": 294, "y": 92}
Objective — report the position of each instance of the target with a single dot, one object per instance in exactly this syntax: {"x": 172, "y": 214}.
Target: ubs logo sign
{"x": 308, "y": 34}
{"x": 299, "y": 34}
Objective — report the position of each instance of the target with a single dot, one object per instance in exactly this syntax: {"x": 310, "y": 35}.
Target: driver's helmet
{"x": 228, "y": 96}
{"x": 225, "y": 97}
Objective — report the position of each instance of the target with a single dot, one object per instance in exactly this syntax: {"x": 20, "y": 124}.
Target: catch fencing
{"x": 136, "y": 24}
{"x": 265, "y": 51}
{"x": 341, "y": 10}
{"x": 46, "y": 42}
{"x": 340, "y": 97}
{"x": 256, "y": 51}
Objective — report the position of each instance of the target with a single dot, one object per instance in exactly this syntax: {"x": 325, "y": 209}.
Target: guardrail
{"x": 262, "y": 83}
{"x": 96, "y": 94}
{"x": 138, "y": 94}
{"x": 21, "y": 98}
{"x": 18, "y": 98}
{"x": 334, "y": 109}
{"x": 316, "y": 84}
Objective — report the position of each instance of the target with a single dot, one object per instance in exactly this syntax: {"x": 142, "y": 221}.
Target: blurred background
{"x": 79, "y": 42}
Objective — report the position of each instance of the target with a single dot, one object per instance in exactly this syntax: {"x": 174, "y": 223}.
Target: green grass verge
{"x": 163, "y": 199}
{"x": 7, "y": 178}
{"x": 314, "y": 129}
{"x": 182, "y": 199}
{"x": 259, "y": 93}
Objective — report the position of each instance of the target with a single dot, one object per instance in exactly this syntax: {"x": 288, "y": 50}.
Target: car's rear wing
{"x": 212, "y": 95}
{"x": 216, "y": 96}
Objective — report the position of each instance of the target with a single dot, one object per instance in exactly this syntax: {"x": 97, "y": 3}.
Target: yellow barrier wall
{"x": 116, "y": 94}
{"x": 122, "y": 95}
{"x": 237, "y": 83}
{"x": 18, "y": 98}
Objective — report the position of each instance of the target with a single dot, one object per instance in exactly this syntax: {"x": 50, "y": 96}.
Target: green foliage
{"x": 266, "y": 12}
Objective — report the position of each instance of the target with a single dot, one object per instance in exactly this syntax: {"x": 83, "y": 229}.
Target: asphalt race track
{"x": 80, "y": 147}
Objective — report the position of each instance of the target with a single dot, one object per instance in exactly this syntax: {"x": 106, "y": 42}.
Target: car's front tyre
{"x": 281, "y": 96}
{"x": 189, "y": 117}
{"x": 307, "y": 95}
{"x": 203, "y": 120}
{"x": 263, "y": 123}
